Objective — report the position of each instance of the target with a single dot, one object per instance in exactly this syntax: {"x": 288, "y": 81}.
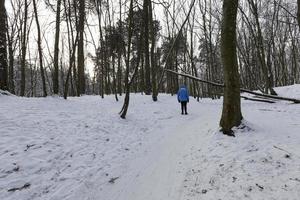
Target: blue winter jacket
{"x": 183, "y": 94}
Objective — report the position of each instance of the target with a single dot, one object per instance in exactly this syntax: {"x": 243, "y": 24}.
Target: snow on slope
{"x": 292, "y": 91}
{"x": 80, "y": 149}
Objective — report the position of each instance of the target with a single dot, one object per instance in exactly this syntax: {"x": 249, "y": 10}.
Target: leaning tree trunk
{"x": 231, "y": 114}
{"x": 3, "y": 47}
{"x": 127, "y": 84}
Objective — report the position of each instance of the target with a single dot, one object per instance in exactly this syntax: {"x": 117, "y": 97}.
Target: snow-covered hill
{"x": 79, "y": 149}
{"x": 292, "y": 91}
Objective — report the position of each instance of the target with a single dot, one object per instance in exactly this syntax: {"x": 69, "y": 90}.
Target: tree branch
{"x": 242, "y": 90}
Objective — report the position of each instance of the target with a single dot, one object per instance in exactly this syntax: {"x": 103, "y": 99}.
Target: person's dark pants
{"x": 183, "y": 107}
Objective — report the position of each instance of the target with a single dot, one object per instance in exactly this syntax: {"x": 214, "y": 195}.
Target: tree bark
{"x": 152, "y": 55}
{"x": 231, "y": 113}
{"x": 56, "y": 49}
{"x": 119, "y": 72}
{"x": 71, "y": 64}
{"x": 81, "y": 72}
{"x": 3, "y": 47}
{"x": 127, "y": 84}
{"x": 146, "y": 47}
{"x": 39, "y": 41}
{"x": 23, "y": 49}
{"x": 11, "y": 83}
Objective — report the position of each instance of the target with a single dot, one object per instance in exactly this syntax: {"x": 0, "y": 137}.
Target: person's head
{"x": 182, "y": 86}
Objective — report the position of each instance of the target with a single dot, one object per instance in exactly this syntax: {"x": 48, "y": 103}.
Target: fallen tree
{"x": 258, "y": 100}
{"x": 242, "y": 90}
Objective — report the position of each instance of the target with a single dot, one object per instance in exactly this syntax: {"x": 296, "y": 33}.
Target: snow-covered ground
{"x": 80, "y": 149}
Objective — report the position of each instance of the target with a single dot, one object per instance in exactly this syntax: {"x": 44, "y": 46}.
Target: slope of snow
{"x": 80, "y": 149}
{"x": 292, "y": 91}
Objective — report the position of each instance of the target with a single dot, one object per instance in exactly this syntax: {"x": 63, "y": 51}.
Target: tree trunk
{"x": 56, "y": 49}
{"x": 81, "y": 73}
{"x": 231, "y": 114}
{"x": 120, "y": 49}
{"x": 39, "y": 41}
{"x": 3, "y": 47}
{"x": 152, "y": 55}
{"x": 23, "y": 47}
{"x": 119, "y": 74}
{"x": 11, "y": 83}
{"x": 71, "y": 64}
{"x": 127, "y": 84}
{"x": 114, "y": 77}
{"x": 146, "y": 47}
{"x": 142, "y": 77}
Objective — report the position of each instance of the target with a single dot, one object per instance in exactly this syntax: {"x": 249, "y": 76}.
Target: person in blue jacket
{"x": 183, "y": 98}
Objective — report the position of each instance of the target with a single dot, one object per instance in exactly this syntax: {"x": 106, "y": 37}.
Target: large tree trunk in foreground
{"x": 3, "y": 47}
{"x": 231, "y": 114}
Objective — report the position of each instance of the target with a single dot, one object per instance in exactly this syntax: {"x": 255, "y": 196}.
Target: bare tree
{"x": 40, "y": 50}
{"x": 231, "y": 114}
{"x": 24, "y": 41}
{"x": 13, "y": 37}
{"x": 267, "y": 72}
{"x": 127, "y": 83}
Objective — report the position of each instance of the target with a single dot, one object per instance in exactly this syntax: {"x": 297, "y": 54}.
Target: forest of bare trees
{"x": 104, "y": 47}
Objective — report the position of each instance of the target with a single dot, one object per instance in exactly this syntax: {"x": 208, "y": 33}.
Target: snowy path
{"x": 159, "y": 173}
{"x": 158, "y": 170}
